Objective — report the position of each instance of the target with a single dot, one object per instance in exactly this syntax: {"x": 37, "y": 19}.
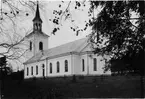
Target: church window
{"x": 39, "y": 26}
{"x": 83, "y": 65}
{"x": 27, "y": 71}
{"x": 95, "y": 64}
{"x": 31, "y": 70}
{"x": 50, "y": 67}
{"x": 40, "y": 46}
{"x": 30, "y": 45}
{"x": 57, "y": 67}
{"x": 66, "y": 65}
{"x": 36, "y": 70}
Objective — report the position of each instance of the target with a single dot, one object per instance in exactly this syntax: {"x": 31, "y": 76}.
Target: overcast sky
{"x": 65, "y": 34}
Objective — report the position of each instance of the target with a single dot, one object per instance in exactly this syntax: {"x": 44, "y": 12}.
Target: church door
{"x": 43, "y": 70}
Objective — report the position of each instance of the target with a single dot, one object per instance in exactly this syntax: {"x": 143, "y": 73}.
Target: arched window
{"x": 31, "y": 70}
{"x": 39, "y": 26}
{"x": 50, "y": 67}
{"x": 95, "y": 64}
{"x": 43, "y": 69}
{"x": 83, "y": 65}
{"x": 36, "y": 70}
{"x": 30, "y": 45}
{"x": 40, "y": 46}
{"x": 27, "y": 71}
{"x": 57, "y": 64}
{"x": 66, "y": 65}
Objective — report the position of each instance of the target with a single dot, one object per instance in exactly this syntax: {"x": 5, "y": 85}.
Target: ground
{"x": 64, "y": 87}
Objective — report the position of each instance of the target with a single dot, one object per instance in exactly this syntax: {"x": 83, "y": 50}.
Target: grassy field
{"x": 83, "y": 87}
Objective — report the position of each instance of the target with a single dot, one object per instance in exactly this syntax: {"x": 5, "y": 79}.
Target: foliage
{"x": 120, "y": 27}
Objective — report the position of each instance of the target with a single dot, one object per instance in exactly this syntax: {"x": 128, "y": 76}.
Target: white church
{"x": 73, "y": 58}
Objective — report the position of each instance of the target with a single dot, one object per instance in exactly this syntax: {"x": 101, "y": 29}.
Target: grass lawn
{"x": 84, "y": 87}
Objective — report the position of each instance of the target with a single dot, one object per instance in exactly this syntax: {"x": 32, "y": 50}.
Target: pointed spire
{"x": 37, "y": 15}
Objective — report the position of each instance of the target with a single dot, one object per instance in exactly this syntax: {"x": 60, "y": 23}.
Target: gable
{"x": 37, "y": 34}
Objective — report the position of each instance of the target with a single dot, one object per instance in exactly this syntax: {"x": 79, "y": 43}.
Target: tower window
{"x": 57, "y": 67}
{"x": 83, "y": 65}
{"x": 50, "y": 67}
{"x": 40, "y": 46}
{"x": 30, "y": 45}
{"x": 95, "y": 64}
{"x": 66, "y": 65}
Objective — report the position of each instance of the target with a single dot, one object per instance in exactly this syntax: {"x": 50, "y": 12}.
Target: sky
{"x": 64, "y": 35}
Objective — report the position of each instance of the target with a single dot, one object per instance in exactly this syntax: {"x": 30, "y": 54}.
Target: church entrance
{"x": 43, "y": 70}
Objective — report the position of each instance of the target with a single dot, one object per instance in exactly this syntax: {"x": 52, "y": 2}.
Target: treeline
{"x": 19, "y": 75}
{"x": 131, "y": 63}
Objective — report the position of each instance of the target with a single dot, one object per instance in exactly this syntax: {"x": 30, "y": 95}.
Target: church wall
{"x": 39, "y": 38}
{"x": 100, "y": 65}
{"x": 29, "y": 53}
{"x": 40, "y": 73}
{"x": 62, "y": 66}
{"x": 85, "y": 64}
{"x": 76, "y": 65}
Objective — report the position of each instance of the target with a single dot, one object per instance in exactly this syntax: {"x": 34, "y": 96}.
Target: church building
{"x": 73, "y": 58}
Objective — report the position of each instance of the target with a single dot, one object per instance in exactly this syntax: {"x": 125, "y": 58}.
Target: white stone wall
{"x": 39, "y": 64}
{"x": 61, "y": 64}
{"x": 40, "y": 38}
{"x": 74, "y": 66}
{"x": 88, "y": 65}
{"x": 29, "y": 53}
{"x": 100, "y": 65}
{"x": 35, "y": 39}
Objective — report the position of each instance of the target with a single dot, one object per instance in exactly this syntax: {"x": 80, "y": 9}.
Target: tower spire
{"x": 37, "y": 22}
{"x": 37, "y": 14}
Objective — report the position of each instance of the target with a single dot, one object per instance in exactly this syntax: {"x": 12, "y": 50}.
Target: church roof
{"x": 68, "y": 48}
{"x": 38, "y": 33}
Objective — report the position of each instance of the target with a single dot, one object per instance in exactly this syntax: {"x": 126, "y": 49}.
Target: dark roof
{"x": 37, "y": 15}
{"x": 38, "y": 33}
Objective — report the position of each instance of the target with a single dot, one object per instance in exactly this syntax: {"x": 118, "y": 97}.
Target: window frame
{"x": 40, "y": 45}
{"x": 36, "y": 69}
{"x": 66, "y": 65}
{"x": 50, "y": 67}
{"x": 30, "y": 46}
{"x": 83, "y": 65}
{"x": 95, "y": 64}
{"x": 58, "y": 67}
{"x": 32, "y": 70}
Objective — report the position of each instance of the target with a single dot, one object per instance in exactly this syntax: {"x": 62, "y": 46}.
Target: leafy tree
{"x": 121, "y": 32}
{"x": 118, "y": 30}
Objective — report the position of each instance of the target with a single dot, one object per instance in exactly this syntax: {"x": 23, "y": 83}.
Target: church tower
{"x": 37, "y": 41}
